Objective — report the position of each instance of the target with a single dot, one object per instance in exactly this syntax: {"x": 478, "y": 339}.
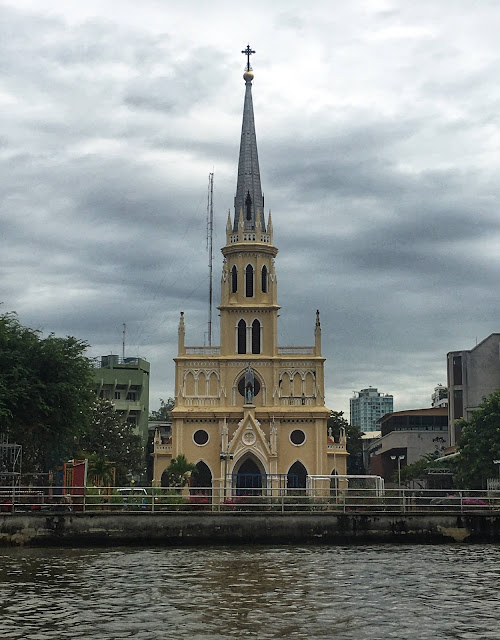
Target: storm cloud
{"x": 378, "y": 133}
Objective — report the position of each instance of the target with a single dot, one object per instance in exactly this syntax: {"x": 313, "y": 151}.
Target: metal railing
{"x": 209, "y": 351}
{"x": 234, "y": 499}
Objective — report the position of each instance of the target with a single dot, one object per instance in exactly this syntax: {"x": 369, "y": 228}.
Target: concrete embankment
{"x": 101, "y": 529}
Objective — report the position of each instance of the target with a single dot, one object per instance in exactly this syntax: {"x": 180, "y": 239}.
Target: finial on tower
{"x": 248, "y": 75}
{"x": 317, "y": 335}
{"x": 181, "y": 333}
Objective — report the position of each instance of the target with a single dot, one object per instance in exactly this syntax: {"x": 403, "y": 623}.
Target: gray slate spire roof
{"x": 248, "y": 197}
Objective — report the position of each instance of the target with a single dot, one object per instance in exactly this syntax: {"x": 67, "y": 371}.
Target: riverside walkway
{"x": 152, "y": 516}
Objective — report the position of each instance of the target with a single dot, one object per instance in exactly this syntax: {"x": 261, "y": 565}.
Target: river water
{"x": 225, "y": 593}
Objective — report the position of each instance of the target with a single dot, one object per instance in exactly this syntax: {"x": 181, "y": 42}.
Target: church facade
{"x": 250, "y": 413}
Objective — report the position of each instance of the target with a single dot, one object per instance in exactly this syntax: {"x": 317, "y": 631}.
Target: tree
{"x": 45, "y": 393}
{"x": 178, "y": 471}
{"x": 101, "y": 472}
{"x": 110, "y": 439}
{"x": 480, "y": 444}
{"x": 336, "y": 421}
{"x": 418, "y": 472}
{"x": 163, "y": 413}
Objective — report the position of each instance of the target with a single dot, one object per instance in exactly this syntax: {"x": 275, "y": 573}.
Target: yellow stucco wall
{"x": 291, "y": 381}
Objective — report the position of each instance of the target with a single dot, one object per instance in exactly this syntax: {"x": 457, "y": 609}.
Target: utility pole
{"x": 123, "y": 340}
{"x": 210, "y": 249}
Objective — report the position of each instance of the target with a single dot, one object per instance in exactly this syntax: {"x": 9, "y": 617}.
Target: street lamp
{"x": 399, "y": 458}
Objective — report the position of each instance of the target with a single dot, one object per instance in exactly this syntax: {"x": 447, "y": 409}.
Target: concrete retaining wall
{"x": 88, "y": 529}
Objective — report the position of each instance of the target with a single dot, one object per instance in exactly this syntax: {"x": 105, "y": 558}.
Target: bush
{"x": 199, "y": 502}
{"x": 168, "y": 500}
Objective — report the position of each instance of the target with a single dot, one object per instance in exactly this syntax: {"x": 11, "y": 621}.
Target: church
{"x": 250, "y": 413}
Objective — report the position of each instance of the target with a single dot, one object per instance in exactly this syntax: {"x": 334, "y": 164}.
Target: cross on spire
{"x": 248, "y": 52}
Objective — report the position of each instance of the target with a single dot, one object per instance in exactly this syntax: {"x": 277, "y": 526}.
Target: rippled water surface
{"x": 367, "y": 593}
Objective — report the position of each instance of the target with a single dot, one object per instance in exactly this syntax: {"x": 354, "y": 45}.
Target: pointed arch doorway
{"x": 201, "y": 481}
{"x": 250, "y": 477}
{"x": 296, "y": 476}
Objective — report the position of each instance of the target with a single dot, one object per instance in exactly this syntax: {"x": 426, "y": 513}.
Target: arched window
{"x": 255, "y": 336}
{"x": 248, "y": 205}
{"x": 201, "y": 482}
{"x": 234, "y": 279}
{"x": 264, "y": 279}
{"x": 189, "y": 384}
{"x": 249, "y": 281}
{"x": 242, "y": 336}
{"x": 296, "y": 476}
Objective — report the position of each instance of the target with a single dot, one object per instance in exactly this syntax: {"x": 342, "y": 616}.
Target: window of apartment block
{"x": 131, "y": 395}
{"x": 457, "y": 370}
{"x": 117, "y": 395}
{"x": 458, "y": 404}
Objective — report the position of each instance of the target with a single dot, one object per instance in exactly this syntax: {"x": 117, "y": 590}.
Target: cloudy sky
{"x": 378, "y": 133}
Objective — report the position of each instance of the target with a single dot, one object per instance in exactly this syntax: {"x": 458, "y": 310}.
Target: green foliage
{"x": 100, "y": 470}
{"x": 109, "y": 438}
{"x": 336, "y": 421}
{"x": 45, "y": 393}
{"x": 418, "y": 470}
{"x": 178, "y": 471}
{"x": 480, "y": 444}
{"x": 168, "y": 500}
{"x": 163, "y": 413}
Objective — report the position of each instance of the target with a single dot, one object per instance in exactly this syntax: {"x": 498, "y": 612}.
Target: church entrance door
{"x": 249, "y": 479}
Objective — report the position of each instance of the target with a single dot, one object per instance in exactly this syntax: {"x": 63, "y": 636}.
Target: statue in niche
{"x": 249, "y": 385}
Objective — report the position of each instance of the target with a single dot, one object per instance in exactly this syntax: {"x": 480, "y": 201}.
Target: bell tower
{"x": 249, "y": 308}
{"x": 250, "y": 410}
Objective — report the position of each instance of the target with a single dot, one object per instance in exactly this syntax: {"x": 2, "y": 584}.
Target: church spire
{"x": 248, "y": 200}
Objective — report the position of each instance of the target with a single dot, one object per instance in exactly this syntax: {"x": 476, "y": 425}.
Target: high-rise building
{"x": 367, "y": 406}
{"x": 472, "y": 376}
{"x": 250, "y": 413}
{"x": 125, "y": 382}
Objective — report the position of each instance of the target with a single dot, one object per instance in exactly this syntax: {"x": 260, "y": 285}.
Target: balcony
{"x": 333, "y": 447}
{"x": 296, "y": 351}
{"x": 205, "y": 351}
{"x": 163, "y": 448}
{"x": 195, "y": 401}
{"x": 291, "y": 401}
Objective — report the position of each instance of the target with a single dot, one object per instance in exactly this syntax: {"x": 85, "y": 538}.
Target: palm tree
{"x": 101, "y": 470}
{"x": 179, "y": 471}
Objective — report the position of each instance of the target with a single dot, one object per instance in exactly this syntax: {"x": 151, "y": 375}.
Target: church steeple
{"x": 249, "y": 201}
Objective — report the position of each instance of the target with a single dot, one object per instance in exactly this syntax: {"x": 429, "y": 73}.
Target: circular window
{"x": 297, "y": 437}
{"x": 241, "y": 386}
{"x": 249, "y": 437}
{"x": 200, "y": 437}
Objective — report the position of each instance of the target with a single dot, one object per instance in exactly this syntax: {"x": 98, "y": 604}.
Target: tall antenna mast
{"x": 210, "y": 249}
{"x": 123, "y": 340}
